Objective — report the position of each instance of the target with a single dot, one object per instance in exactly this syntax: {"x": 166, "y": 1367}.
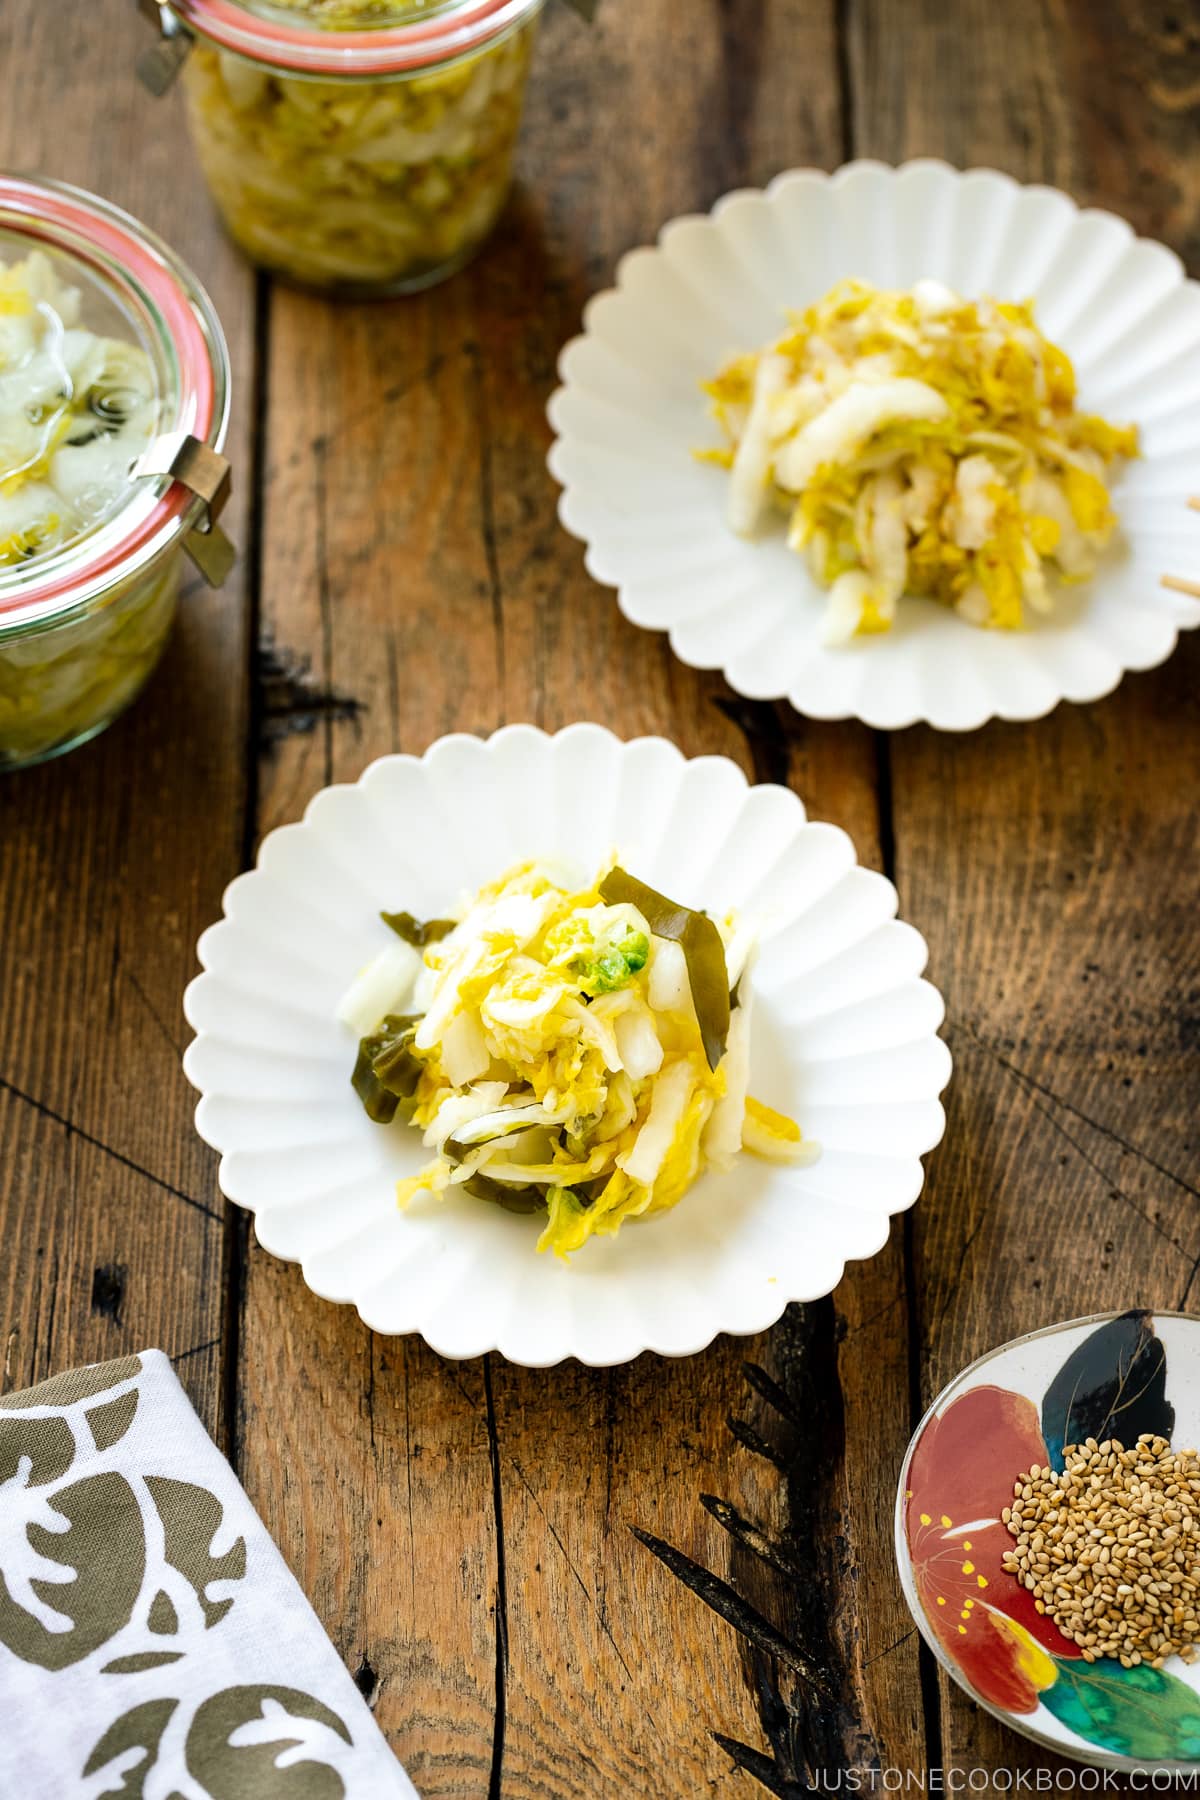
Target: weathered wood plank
{"x": 413, "y": 562}
{"x": 407, "y": 501}
{"x": 113, "y": 859}
{"x": 843, "y": 1368}
{"x": 1052, "y": 865}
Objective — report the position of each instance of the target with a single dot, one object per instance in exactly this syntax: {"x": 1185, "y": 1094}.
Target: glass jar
{"x": 114, "y": 399}
{"x": 370, "y": 160}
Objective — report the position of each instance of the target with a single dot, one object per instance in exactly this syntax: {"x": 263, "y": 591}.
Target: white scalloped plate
{"x": 629, "y": 414}
{"x": 845, "y": 1040}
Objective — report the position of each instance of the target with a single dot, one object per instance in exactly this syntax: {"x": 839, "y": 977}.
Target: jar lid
{"x": 101, "y": 282}
{"x": 350, "y": 37}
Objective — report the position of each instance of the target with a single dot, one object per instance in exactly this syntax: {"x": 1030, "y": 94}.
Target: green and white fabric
{"x": 153, "y": 1644}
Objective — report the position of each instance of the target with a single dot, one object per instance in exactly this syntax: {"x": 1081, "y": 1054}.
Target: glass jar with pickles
{"x": 114, "y": 394}
{"x": 361, "y": 146}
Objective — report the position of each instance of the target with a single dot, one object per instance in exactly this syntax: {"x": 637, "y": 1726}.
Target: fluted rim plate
{"x": 845, "y": 1039}
{"x": 629, "y": 414}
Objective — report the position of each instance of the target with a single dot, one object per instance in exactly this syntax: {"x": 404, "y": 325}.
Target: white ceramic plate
{"x": 629, "y": 414}
{"x": 845, "y": 1040}
{"x": 1113, "y": 1375}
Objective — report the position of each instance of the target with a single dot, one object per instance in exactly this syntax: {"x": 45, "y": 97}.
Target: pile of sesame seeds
{"x": 1110, "y": 1548}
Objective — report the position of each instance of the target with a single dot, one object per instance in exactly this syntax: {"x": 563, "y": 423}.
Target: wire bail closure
{"x": 179, "y": 456}
{"x": 158, "y": 66}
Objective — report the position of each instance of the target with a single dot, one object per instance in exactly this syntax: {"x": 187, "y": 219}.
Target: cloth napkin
{"x": 153, "y": 1644}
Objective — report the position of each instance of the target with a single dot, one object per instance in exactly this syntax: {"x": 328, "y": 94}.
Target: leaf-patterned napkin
{"x": 153, "y": 1644}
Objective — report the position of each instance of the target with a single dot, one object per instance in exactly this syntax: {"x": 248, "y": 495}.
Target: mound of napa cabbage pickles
{"x": 920, "y": 443}
{"x": 583, "y": 1054}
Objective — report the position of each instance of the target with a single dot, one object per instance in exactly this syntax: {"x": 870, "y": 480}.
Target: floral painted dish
{"x": 1107, "y": 1376}
{"x": 844, "y": 1040}
{"x": 629, "y": 415}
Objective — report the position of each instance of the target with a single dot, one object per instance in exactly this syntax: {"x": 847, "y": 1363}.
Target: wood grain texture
{"x": 1053, "y": 867}
{"x": 415, "y": 581}
{"x": 574, "y": 1584}
{"x": 113, "y": 859}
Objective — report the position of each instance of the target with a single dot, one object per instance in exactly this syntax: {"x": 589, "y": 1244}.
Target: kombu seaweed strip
{"x": 701, "y": 944}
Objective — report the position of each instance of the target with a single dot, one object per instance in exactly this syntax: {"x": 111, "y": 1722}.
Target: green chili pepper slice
{"x": 702, "y": 948}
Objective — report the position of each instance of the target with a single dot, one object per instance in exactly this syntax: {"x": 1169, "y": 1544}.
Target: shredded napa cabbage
{"x": 924, "y": 444}
{"x": 550, "y": 1063}
{"x": 76, "y": 411}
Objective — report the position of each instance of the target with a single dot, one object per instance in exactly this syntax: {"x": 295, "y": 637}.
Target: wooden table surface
{"x": 578, "y": 1584}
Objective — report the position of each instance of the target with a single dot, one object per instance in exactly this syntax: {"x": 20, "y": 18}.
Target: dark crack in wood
{"x": 752, "y": 1537}
{"x": 291, "y": 701}
{"x": 108, "y": 1290}
{"x": 366, "y": 1680}
{"x": 802, "y": 1435}
{"x": 118, "y": 1156}
{"x": 766, "y": 735}
{"x": 755, "y": 1442}
{"x": 496, "y": 1773}
{"x": 769, "y": 1389}
{"x": 763, "y": 1768}
{"x": 1123, "y": 1144}
{"x": 487, "y": 511}
{"x": 1188, "y": 1285}
{"x": 730, "y": 1606}
{"x": 195, "y": 1350}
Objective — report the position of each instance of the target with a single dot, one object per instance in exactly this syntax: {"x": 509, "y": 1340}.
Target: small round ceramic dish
{"x": 630, "y": 414}
{"x": 845, "y": 1040}
{"x": 1107, "y": 1376}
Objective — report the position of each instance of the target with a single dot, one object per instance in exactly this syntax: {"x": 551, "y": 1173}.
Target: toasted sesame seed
{"x": 1110, "y": 1548}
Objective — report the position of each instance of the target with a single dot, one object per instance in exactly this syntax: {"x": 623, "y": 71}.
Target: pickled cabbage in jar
{"x": 61, "y": 684}
{"x": 360, "y": 182}
{"x": 344, "y": 15}
{"x": 77, "y": 409}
